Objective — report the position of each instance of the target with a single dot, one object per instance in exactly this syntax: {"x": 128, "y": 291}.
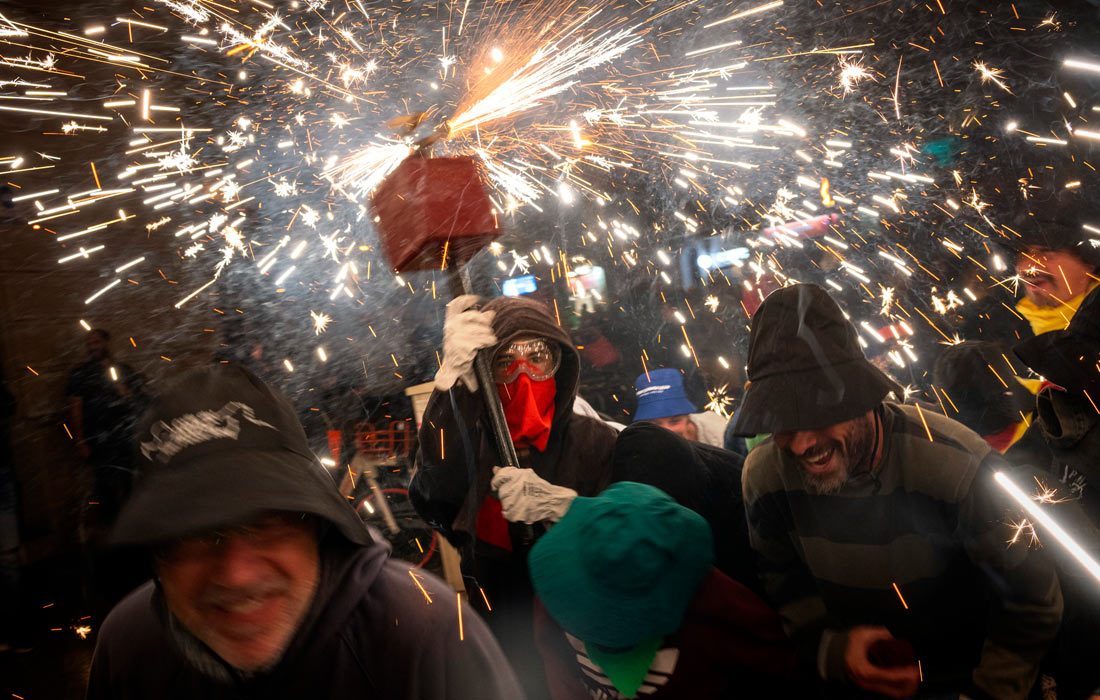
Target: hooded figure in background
{"x": 494, "y": 515}
{"x": 1056, "y": 262}
{"x": 703, "y": 478}
{"x": 1068, "y": 418}
{"x": 982, "y": 390}
{"x": 267, "y": 583}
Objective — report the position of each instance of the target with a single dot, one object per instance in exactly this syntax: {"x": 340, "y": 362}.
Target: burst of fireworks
{"x": 569, "y": 107}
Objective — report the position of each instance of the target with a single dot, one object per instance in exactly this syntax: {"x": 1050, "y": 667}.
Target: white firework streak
{"x": 191, "y": 11}
{"x": 263, "y": 45}
{"x": 545, "y": 74}
{"x": 359, "y": 174}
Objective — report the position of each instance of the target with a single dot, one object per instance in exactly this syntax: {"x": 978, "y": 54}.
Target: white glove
{"x": 528, "y": 498}
{"x": 465, "y": 331}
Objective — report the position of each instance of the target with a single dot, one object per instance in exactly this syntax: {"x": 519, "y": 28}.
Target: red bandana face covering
{"x": 529, "y": 410}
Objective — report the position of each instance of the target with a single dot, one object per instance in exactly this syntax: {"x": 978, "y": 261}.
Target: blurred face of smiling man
{"x": 243, "y": 591}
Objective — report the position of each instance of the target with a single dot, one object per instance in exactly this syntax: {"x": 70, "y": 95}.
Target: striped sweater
{"x": 929, "y": 520}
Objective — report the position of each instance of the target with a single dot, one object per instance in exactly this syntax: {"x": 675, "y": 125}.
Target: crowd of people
{"x": 829, "y": 541}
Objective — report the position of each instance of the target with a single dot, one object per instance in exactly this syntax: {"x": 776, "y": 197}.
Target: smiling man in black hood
{"x": 536, "y": 374}
{"x": 879, "y": 525}
{"x": 267, "y": 583}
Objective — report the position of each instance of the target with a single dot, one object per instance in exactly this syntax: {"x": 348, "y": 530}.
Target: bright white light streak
{"x": 1083, "y": 65}
{"x": 716, "y": 47}
{"x": 127, "y": 266}
{"x": 1085, "y": 133}
{"x": 84, "y": 325}
{"x": 1048, "y": 523}
{"x": 834, "y": 285}
{"x": 199, "y": 40}
{"x": 1044, "y": 139}
{"x": 101, "y": 292}
{"x": 871, "y": 331}
{"x": 119, "y": 58}
{"x": 22, "y": 197}
{"x": 868, "y": 212}
{"x": 321, "y": 354}
{"x": 745, "y": 13}
{"x": 141, "y": 24}
{"x": 193, "y": 294}
{"x": 793, "y": 127}
{"x": 282, "y": 278}
{"x": 51, "y": 113}
{"x": 84, "y": 253}
{"x": 1091, "y": 229}
{"x": 289, "y": 367}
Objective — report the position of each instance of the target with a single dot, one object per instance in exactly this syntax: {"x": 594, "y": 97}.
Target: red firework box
{"x": 431, "y": 208}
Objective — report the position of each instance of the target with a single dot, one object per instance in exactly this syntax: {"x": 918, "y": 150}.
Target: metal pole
{"x": 459, "y": 277}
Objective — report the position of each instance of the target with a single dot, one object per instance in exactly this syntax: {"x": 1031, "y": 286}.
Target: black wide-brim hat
{"x": 806, "y": 368}
{"x": 1070, "y": 358}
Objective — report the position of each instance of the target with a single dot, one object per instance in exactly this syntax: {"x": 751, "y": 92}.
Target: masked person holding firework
{"x": 493, "y": 515}
{"x": 882, "y": 535}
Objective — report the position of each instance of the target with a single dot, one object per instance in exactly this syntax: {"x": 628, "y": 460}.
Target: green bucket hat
{"x": 619, "y": 571}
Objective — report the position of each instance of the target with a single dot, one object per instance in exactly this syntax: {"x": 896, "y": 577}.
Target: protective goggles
{"x": 539, "y": 359}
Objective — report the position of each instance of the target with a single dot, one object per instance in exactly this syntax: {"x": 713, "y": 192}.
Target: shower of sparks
{"x": 1023, "y": 531}
{"x": 991, "y": 75}
{"x": 320, "y": 322}
{"x": 1049, "y": 524}
{"x": 851, "y": 73}
{"x": 689, "y": 143}
{"x": 718, "y": 402}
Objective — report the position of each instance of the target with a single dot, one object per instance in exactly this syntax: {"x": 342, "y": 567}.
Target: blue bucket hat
{"x": 661, "y": 394}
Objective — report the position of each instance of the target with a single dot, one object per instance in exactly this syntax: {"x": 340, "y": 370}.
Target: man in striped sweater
{"x": 883, "y": 540}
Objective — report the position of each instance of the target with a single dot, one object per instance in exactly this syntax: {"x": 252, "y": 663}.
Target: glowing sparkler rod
{"x": 1044, "y": 519}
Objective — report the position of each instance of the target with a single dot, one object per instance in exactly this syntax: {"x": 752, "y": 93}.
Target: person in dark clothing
{"x": 1056, "y": 263}
{"x": 537, "y": 371}
{"x": 1070, "y": 423}
{"x": 630, "y": 606}
{"x": 12, "y": 629}
{"x": 982, "y": 390}
{"x": 105, "y": 399}
{"x": 267, "y": 583}
{"x": 881, "y": 526}
{"x": 703, "y": 478}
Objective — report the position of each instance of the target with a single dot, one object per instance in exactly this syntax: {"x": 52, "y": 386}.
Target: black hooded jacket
{"x": 370, "y": 633}
{"x": 457, "y": 454}
{"x": 703, "y": 478}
